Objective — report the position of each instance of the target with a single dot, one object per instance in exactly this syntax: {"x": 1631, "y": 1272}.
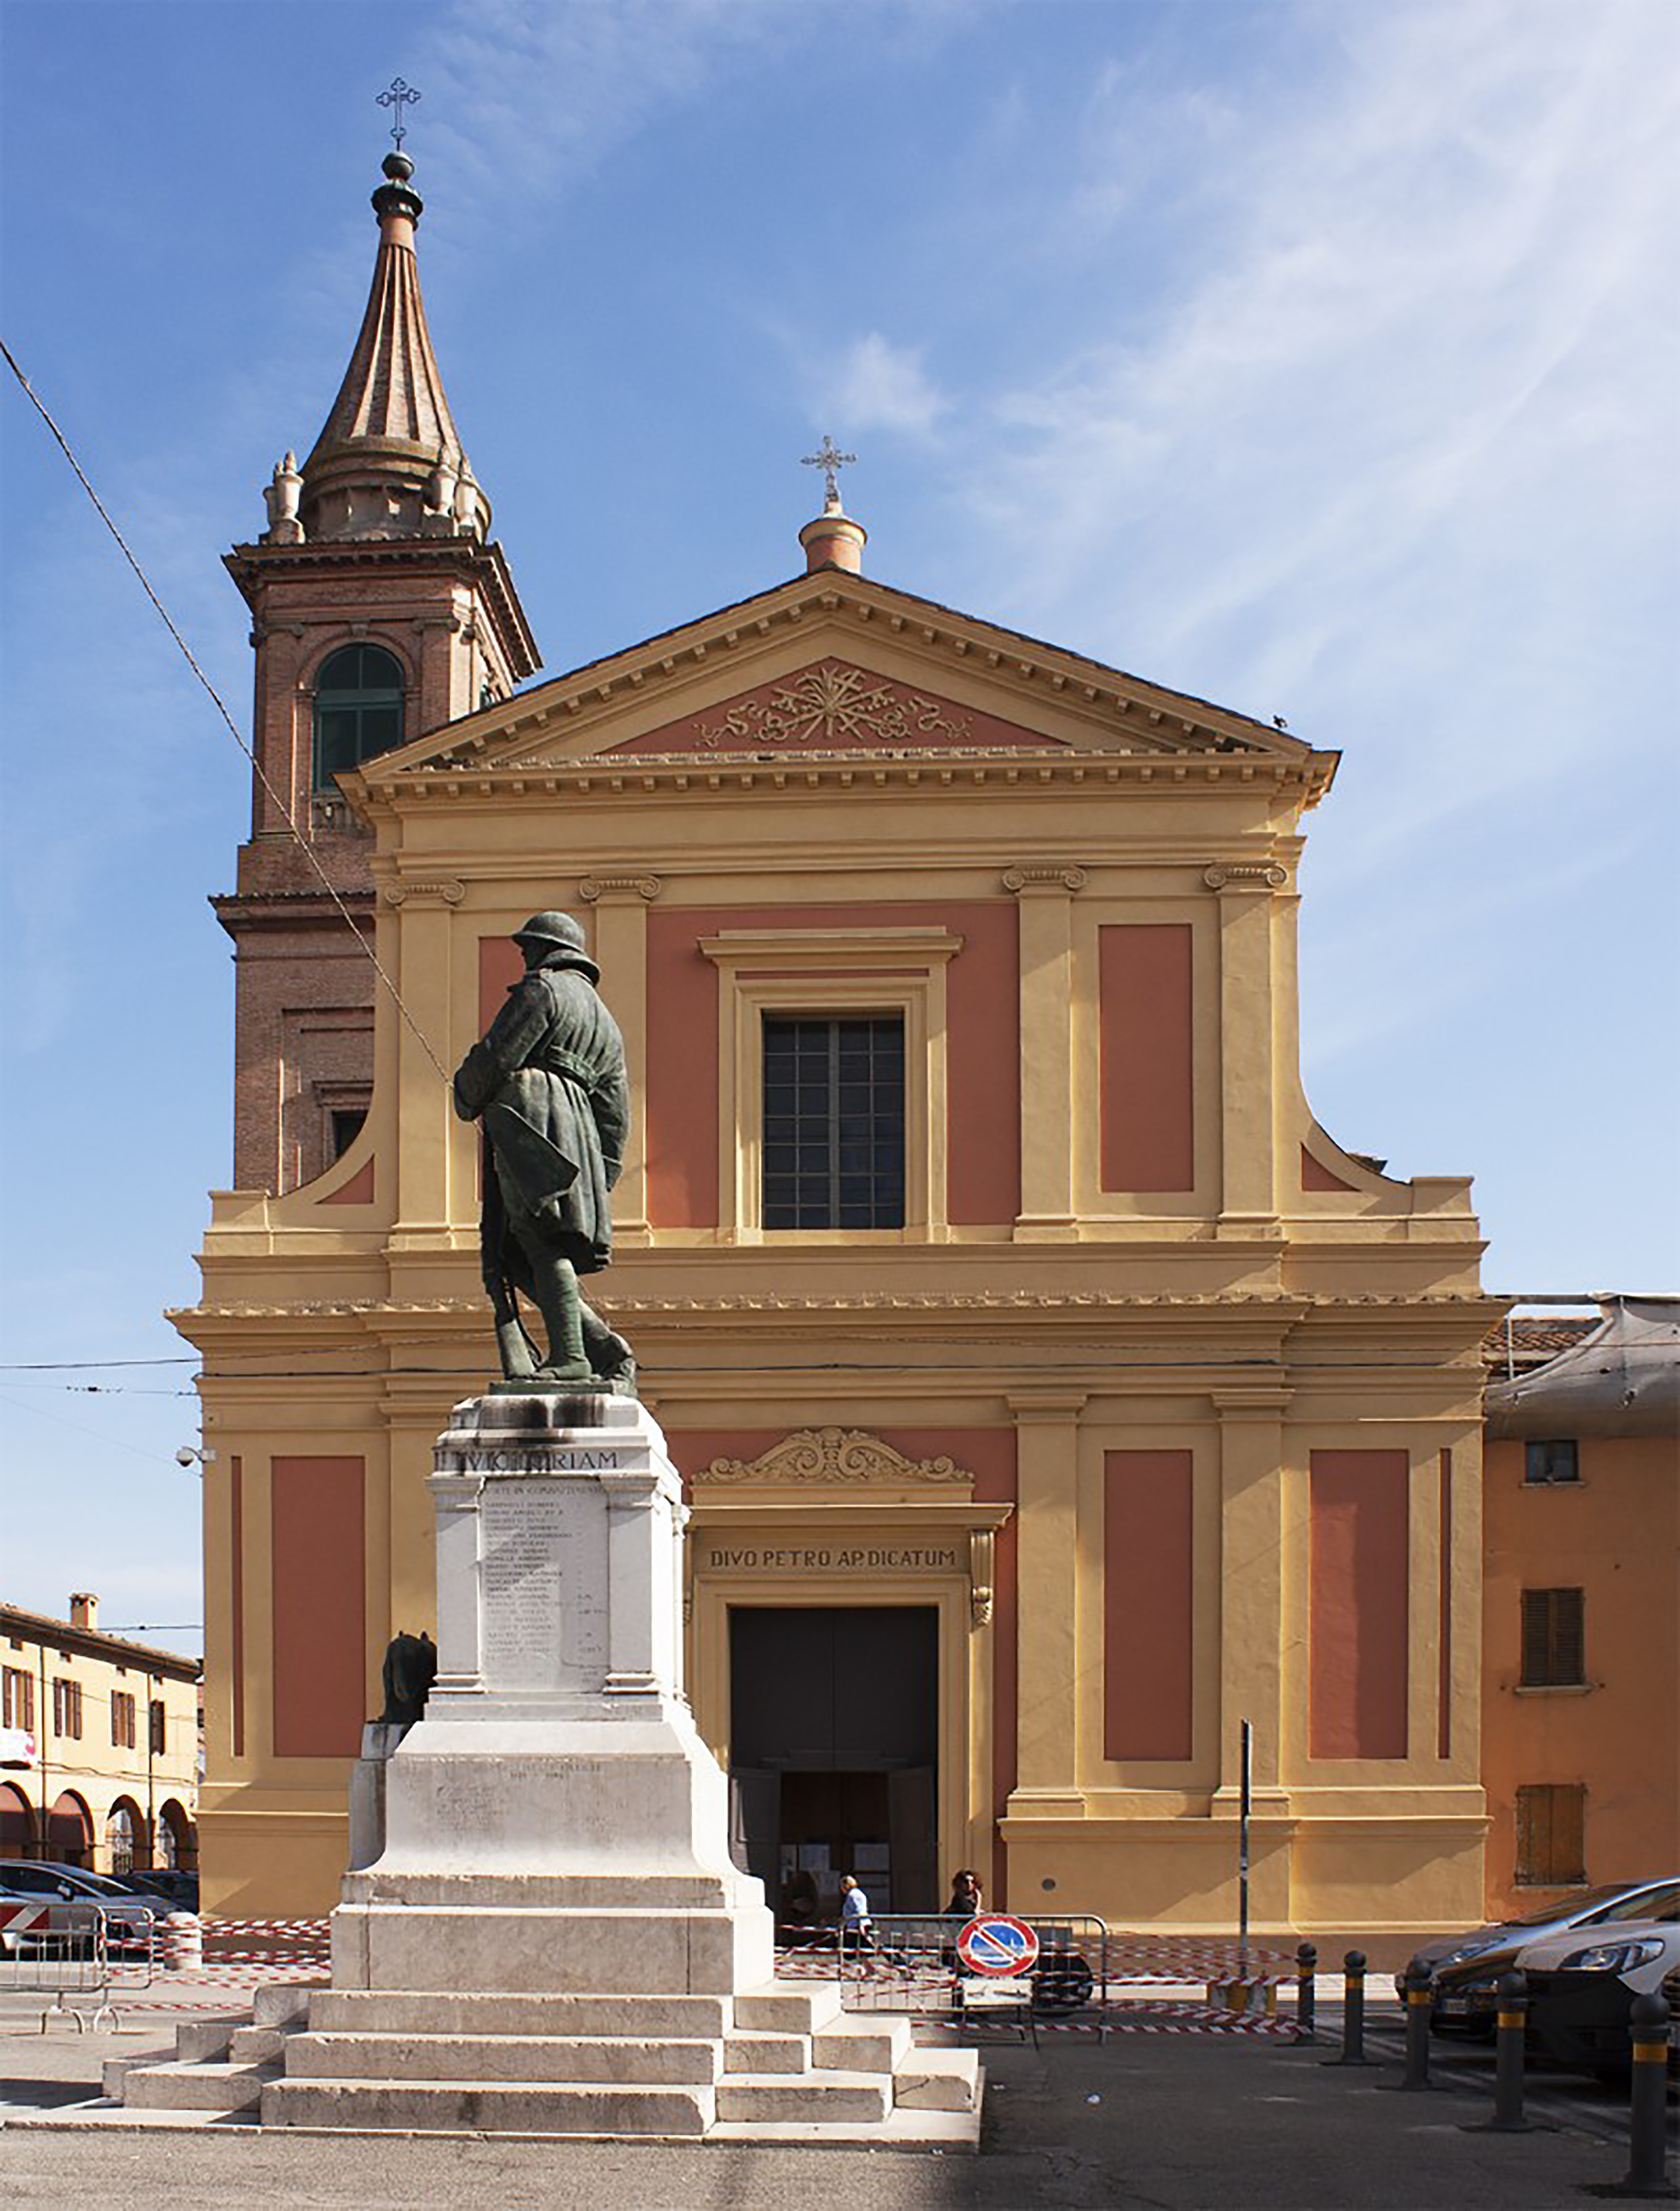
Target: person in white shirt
{"x": 854, "y": 1915}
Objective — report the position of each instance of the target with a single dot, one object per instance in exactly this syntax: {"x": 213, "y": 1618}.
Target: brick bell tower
{"x": 380, "y": 608}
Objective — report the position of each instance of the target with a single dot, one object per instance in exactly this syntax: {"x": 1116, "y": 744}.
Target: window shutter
{"x": 1569, "y": 1848}
{"x": 1551, "y": 1834}
{"x": 1568, "y": 1636}
{"x": 1531, "y": 1833}
{"x": 1535, "y": 1637}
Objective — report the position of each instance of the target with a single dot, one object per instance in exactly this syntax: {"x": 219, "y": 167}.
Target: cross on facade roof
{"x": 399, "y": 96}
{"x": 828, "y": 458}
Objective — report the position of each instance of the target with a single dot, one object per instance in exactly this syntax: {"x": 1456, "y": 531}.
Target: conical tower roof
{"x": 388, "y": 461}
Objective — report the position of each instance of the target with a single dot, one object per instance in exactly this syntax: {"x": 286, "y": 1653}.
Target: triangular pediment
{"x": 829, "y": 666}
{"x": 832, "y": 706}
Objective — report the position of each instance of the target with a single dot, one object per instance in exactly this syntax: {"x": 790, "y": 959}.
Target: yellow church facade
{"x": 1052, "y": 1392}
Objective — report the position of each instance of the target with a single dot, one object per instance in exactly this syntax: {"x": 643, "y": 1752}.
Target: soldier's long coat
{"x": 554, "y": 1055}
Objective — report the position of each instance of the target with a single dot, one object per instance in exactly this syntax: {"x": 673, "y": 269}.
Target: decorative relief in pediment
{"x": 844, "y": 1457}
{"x": 833, "y": 705}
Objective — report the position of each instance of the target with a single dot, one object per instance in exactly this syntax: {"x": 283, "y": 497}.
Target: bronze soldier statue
{"x": 548, "y": 1084}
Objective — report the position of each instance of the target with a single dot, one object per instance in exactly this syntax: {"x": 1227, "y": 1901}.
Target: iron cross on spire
{"x": 828, "y": 458}
{"x": 399, "y": 96}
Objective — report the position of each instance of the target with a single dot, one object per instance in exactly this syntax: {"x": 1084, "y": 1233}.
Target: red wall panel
{"x": 1358, "y": 1595}
{"x": 318, "y": 1562}
{"x": 1148, "y": 1120}
{"x": 1148, "y": 1646}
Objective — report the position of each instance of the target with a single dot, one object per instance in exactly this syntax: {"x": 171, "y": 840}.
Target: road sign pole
{"x": 1242, "y": 1847}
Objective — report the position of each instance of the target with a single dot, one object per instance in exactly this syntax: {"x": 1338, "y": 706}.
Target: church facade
{"x": 1052, "y": 1393}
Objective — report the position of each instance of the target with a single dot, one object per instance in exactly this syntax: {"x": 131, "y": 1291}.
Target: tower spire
{"x": 389, "y": 462}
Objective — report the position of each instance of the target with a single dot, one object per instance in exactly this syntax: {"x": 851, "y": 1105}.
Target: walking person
{"x": 854, "y": 1916}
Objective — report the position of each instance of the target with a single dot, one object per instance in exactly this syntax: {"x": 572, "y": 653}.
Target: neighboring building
{"x": 98, "y": 1744}
{"x": 1054, "y": 1393}
{"x": 1581, "y": 1660}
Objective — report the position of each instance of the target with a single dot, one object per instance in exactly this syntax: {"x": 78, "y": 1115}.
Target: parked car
{"x": 1582, "y": 1961}
{"x": 1463, "y": 2002}
{"x": 176, "y": 1892}
{"x": 12, "y": 1943}
{"x": 1580, "y": 1995}
{"x": 130, "y": 1919}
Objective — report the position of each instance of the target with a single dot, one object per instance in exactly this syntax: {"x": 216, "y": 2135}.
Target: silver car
{"x": 1465, "y": 1988}
{"x": 129, "y": 1920}
{"x": 1546, "y": 1919}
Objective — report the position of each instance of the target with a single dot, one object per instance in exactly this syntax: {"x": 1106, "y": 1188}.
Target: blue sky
{"x": 1316, "y": 358}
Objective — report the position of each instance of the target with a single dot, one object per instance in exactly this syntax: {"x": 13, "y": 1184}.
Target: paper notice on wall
{"x": 814, "y": 1857}
{"x": 871, "y": 1857}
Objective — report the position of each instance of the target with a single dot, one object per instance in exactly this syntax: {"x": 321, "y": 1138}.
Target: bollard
{"x": 1353, "y": 2011}
{"x": 1507, "y": 2118}
{"x": 1307, "y": 1999}
{"x": 1420, "y": 2002}
{"x": 1647, "y": 2118}
{"x": 183, "y": 1942}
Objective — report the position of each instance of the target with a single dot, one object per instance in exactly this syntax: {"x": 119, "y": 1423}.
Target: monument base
{"x": 553, "y": 1938}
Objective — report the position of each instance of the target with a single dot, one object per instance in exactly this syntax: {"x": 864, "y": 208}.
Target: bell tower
{"x": 380, "y": 608}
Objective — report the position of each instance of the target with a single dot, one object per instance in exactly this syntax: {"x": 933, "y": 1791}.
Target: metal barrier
{"x": 72, "y": 1948}
{"x": 909, "y": 1963}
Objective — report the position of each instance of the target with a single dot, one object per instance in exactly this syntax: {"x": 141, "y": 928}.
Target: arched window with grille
{"x": 358, "y": 709}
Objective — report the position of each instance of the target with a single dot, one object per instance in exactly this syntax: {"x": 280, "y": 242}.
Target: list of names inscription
{"x": 542, "y": 1585}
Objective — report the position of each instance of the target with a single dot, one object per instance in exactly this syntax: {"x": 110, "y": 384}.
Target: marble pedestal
{"x": 551, "y": 1937}
{"x": 555, "y": 1823}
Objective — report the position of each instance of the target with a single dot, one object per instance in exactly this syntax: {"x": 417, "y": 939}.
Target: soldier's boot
{"x": 562, "y": 1316}
{"x": 609, "y": 1355}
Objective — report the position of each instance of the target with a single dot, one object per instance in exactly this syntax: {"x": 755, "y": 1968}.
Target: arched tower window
{"x": 358, "y": 709}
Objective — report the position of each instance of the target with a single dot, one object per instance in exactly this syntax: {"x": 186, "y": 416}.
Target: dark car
{"x": 177, "y": 1892}
{"x": 1466, "y": 1994}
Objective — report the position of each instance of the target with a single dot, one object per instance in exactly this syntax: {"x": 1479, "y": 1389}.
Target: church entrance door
{"x": 834, "y": 1731}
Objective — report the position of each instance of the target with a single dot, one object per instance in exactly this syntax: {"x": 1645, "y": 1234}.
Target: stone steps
{"x": 215, "y": 2087}
{"x": 788, "y": 2006}
{"x": 777, "y": 2063}
{"x": 938, "y": 2080}
{"x": 495, "y": 2107}
{"x": 400, "y": 2011}
{"x": 258, "y": 2045}
{"x": 767, "y": 2053}
{"x": 844, "y": 2098}
{"x": 861, "y": 2045}
{"x": 576, "y": 2060}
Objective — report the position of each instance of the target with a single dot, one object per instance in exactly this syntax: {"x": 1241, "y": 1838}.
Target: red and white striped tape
{"x": 215, "y": 1928}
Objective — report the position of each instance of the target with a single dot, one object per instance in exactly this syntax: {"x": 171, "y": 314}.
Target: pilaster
{"x": 621, "y": 903}
{"x": 425, "y": 1113}
{"x": 1045, "y": 895}
{"x": 1251, "y": 1584}
{"x": 1047, "y": 1517}
{"x": 1248, "y": 1171}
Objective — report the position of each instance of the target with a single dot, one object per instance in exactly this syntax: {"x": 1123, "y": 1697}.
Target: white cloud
{"x": 1420, "y": 338}
{"x": 874, "y": 385}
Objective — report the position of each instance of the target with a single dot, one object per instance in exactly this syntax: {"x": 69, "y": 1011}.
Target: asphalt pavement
{"x": 1139, "y": 2123}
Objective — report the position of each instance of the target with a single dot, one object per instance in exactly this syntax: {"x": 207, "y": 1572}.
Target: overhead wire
{"x": 280, "y": 805}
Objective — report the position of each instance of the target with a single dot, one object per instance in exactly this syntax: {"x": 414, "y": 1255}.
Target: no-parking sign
{"x": 998, "y": 1944}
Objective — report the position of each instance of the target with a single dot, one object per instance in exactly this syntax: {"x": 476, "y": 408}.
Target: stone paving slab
{"x": 1177, "y": 2125}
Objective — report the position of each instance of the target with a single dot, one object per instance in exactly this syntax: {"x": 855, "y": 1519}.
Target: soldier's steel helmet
{"x": 561, "y": 934}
